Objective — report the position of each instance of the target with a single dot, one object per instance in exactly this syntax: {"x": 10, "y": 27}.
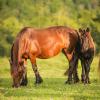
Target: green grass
{"x": 53, "y": 86}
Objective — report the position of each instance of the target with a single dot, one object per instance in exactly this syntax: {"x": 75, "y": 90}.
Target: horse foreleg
{"x": 67, "y": 72}
{"x": 24, "y": 78}
{"x": 87, "y": 69}
{"x": 83, "y": 71}
{"x": 35, "y": 69}
{"x": 87, "y": 80}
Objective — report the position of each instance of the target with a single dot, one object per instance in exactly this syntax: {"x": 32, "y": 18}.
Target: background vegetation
{"x": 16, "y": 14}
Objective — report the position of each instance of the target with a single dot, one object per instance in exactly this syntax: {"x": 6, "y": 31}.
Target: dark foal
{"x": 86, "y": 53}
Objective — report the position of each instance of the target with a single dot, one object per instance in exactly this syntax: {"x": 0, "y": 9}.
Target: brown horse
{"x": 33, "y": 43}
{"x": 87, "y": 50}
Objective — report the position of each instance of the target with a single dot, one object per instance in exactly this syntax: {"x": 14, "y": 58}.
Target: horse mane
{"x": 20, "y": 44}
{"x": 15, "y": 50}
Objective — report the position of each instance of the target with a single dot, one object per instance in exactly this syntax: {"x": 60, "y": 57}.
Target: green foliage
{"x": 16, "y": 14}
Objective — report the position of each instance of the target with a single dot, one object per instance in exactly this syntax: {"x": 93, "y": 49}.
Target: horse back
{"x": 48, "y": 42}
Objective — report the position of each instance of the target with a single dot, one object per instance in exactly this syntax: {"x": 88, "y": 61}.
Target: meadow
{"x": 53, "y": 86}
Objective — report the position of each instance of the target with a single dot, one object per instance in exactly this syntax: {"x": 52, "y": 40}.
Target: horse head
{"x": 87, "y": 50}
{"x": 16, "y": 68}
{"x": 86, "y": 43}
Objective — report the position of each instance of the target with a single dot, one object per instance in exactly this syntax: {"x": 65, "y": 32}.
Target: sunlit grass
{"x": 53, "y": 86}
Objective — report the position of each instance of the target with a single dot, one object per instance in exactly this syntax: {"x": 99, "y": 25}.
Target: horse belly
{"x": 50, "y": 51}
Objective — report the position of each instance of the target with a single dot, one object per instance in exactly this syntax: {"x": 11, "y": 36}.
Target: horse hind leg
{"x": 35, "y": 69}
{"x": 75, "y": 74}
{"x": 73, "y": 69}
{"x": 70, "y": 70}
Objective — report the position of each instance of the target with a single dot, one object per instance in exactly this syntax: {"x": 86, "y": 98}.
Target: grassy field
{"x": 53, "y": 86}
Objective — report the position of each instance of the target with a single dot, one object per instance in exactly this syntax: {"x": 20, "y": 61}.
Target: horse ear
{"x": 87, "y": 30}
{"x": 80, "y": 30}
{"x": 21, "y": 63}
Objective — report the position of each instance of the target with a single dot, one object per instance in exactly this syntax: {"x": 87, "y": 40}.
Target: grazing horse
{"x": 33, "y": 43}
{"x": 86, "y": 55}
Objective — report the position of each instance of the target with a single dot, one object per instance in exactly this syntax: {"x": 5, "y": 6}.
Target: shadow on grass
{"x": 51, "y": 87}
{"x": 82, "y": 97}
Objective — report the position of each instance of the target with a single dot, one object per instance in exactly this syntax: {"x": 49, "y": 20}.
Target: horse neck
{"x": 16, "y": 53}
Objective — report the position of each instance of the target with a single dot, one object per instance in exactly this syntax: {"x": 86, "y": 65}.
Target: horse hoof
{"x": 87, "y": 82}
{"x": 76, "y": 81}
{"x": 82, "y": 81}
{"x": 39, "y": 81}
{"x": 24, "y": 83}
{"x": 68, "y": 82}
